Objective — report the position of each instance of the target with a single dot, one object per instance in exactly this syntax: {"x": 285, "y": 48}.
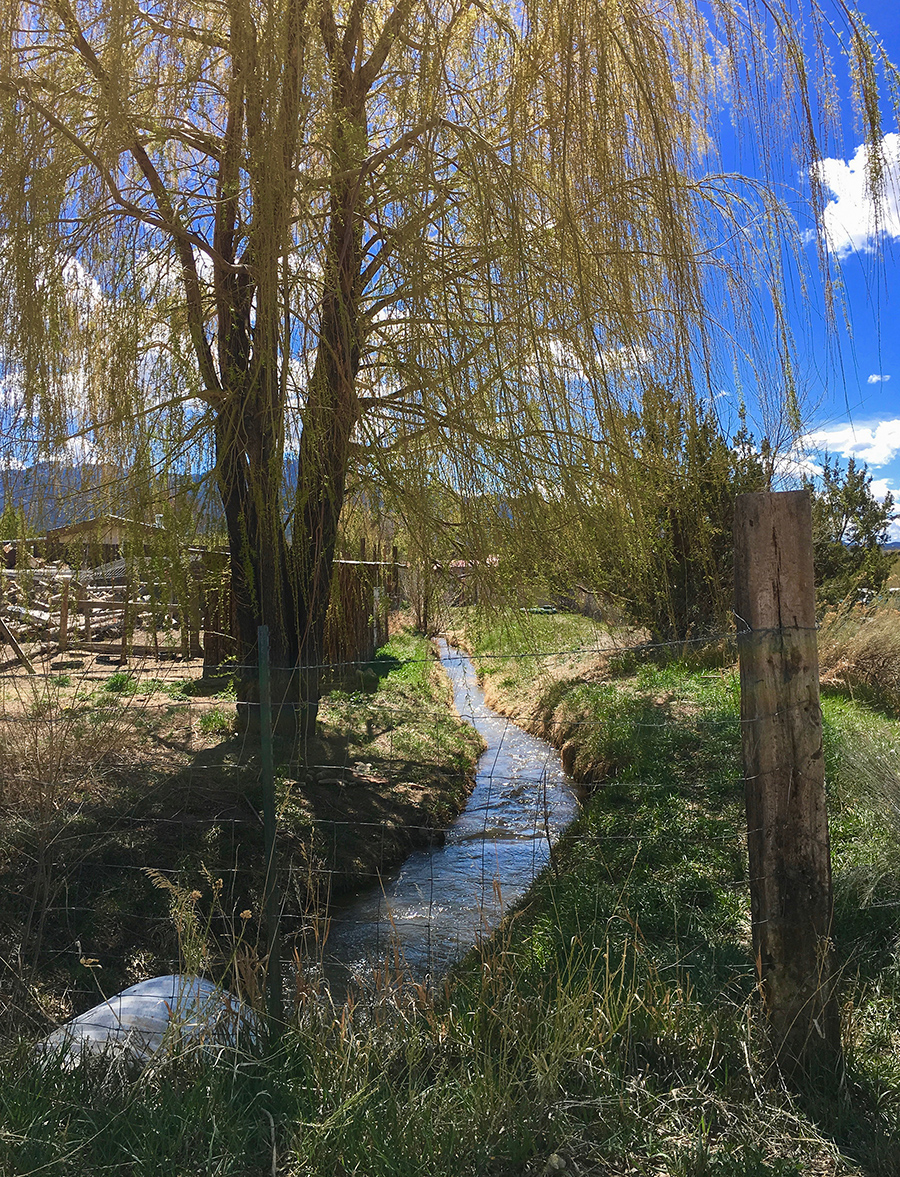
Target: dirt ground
{"x": 131, "y": 832}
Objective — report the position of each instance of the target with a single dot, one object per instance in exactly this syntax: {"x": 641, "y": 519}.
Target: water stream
{"x": 435, "y": 907}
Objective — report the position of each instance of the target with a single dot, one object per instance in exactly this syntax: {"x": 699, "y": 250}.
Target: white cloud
{"x": 881, "y": 487}
{"x": 853, "y": 221}
{"x": 877, "y": 378}
{"x": 795, "y": 466}
{"x": 626, "y": 359}
{"x": 85, "y": 288}
{"x": 78, "y": 450}
{"x": 876, "y": 443}
{"x": 12, "y": 391}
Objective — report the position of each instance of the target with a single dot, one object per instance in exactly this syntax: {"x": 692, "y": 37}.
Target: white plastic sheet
{"x": 154, "y": 1015}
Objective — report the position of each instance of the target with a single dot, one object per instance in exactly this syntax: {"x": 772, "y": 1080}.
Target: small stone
{"x": 555, "y": 1163}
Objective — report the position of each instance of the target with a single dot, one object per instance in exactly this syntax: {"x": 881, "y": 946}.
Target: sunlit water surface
{"x": 436, "y": 906}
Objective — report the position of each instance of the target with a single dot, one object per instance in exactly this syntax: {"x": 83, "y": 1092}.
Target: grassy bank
{"x": 609, "y": 1029}
{"x": 659, "y": 852}
{"x": 109, "y": 775}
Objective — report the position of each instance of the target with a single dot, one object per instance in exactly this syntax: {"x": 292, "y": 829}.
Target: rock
{"x": 153, "y": 1016}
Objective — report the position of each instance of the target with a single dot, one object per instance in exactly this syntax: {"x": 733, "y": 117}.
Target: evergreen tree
{"x": 850, "y": 527}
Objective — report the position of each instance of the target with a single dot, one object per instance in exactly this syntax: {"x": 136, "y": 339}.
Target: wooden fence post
{"x": 127, "y": 608}
{"x": 64, "y": 618}
{"x": 787, "y": 824}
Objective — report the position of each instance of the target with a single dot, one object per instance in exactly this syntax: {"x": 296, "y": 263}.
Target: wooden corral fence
{"x": 357, "y": 618}
{"x": 110, "y": 611}
{"x": 72, "y": 612}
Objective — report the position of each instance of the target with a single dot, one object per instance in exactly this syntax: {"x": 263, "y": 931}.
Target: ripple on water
{"x": 440, "y": 901}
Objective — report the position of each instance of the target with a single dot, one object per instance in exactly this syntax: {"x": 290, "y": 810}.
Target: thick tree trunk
{"x": 287, "y": 587}
{"x": 249, "y": 481}
{"x": 331, "y": 408}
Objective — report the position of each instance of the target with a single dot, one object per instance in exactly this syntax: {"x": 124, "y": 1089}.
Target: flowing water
{"x": 437, "y": 905}
{"x": 430, "y": 911}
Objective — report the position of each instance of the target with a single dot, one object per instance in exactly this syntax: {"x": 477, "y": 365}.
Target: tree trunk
{"x": 288, "y": 587}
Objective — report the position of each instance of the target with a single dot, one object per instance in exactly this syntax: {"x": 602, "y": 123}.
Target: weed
{"x": 211, "y": 940}
{"x": 121, "y": 683}
{"x": 605, "y": 1029}
{"x": 217, "y": 722}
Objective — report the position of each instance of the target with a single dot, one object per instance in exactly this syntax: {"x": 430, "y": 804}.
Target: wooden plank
{"x": 127, "y": 619}
{"x": 787, "y": 824}
{"x": 138, "y": 649}
{"x": 8, "y": 636}
{"x": 64, "y": 619}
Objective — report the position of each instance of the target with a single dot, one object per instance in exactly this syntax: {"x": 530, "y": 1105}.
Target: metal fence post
{"x": 271, "y": 898}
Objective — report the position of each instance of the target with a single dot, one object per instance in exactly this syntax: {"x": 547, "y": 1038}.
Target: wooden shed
{"x": 98, "y": 540}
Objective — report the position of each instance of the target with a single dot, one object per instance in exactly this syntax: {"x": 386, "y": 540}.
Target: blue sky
{"x": 852, "y": 401}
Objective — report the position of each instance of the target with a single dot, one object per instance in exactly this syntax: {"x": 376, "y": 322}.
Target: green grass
{"x": 401, "y": 714}
{"x": 523, "y": 632}
{"x": 659, "y": 853}
{"x": 609, "y": 1029}
{"x": 217, "y": 721}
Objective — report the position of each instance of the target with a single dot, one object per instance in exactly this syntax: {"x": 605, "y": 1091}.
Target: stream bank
{"x": 144, "y": 782}
{"x": 443, "y": 899}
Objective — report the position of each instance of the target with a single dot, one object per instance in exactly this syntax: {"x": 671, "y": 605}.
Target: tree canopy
{"x": 402, "y": 243}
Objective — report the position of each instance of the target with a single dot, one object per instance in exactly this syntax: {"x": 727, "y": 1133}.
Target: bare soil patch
{"x": 108, "y": 771}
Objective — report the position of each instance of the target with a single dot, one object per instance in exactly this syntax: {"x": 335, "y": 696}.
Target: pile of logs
{"x": 52, "y": 606}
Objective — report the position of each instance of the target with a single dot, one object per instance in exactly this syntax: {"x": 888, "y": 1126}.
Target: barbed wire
{"x": 722, "y": 831}
{"x": 235, "y": 668}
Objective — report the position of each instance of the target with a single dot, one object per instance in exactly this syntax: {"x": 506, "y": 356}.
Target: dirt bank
{"x": 118, "y": 781}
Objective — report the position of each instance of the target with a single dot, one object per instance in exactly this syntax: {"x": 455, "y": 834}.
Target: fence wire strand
{"x": 178, "y": 845}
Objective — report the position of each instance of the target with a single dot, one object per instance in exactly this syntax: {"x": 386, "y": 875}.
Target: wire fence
{"x": 134, "y": 827}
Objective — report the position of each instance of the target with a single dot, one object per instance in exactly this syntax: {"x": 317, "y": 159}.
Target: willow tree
{"x": 373, "y": 239}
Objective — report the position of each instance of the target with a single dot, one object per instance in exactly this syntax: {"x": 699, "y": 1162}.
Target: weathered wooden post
{"x": 127, "y": 623}
{"x": 787, "y": 824}
{"x": 64, "y": 618}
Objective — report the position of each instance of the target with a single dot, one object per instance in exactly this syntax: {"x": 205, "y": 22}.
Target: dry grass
{"x": 859, "y": 652}
{"x": 105, "y": 771}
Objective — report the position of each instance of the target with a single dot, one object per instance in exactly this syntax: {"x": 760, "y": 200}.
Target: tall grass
{"x": 514, "y": 1068}
{"x": 610, "y": 1028}
{"x": 859, "y": 652}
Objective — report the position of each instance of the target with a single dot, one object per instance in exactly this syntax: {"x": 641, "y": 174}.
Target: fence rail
{"x": 130, "y": 615}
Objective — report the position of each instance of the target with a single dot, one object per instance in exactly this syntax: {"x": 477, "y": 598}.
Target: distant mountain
{"x": 53, "y": 494}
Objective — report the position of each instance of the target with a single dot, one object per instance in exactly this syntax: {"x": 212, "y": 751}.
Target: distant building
{"x": 98, "y": 540}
